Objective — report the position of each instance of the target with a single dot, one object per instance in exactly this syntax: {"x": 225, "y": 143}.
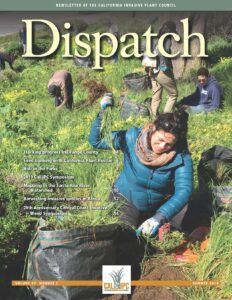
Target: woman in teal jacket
{"x": 156, "y": 163}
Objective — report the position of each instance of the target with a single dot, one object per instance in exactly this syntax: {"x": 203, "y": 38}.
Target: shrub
{"x": 218, "y": 47}
{"x": 223, "y": 70}
{"x": 41, "y": 45}
{"x": 8, "y": 75}
{"x": 14, "y": 47}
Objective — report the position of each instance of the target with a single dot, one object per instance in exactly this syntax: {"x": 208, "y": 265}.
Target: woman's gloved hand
{"x": 149, "y": 227}
{"x": 107, "y": 100}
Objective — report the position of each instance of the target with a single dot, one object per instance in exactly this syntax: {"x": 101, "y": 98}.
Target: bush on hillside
{"x": 218, "y": 47}
{"x": 14, "y": 47}
{"x": 8, "y": 75}
{"x": 223, "y": 72}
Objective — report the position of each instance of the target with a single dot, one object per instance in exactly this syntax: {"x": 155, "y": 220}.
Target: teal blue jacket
{"x": 144, "y": 186}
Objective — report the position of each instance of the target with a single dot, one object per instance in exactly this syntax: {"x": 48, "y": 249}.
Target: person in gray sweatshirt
{"x": 207, "y": 96}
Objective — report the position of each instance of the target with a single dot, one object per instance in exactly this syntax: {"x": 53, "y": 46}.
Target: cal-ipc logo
{"x": 116, "y": 279}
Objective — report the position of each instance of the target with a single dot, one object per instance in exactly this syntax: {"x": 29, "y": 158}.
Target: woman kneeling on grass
{"x": 157, "y": 177}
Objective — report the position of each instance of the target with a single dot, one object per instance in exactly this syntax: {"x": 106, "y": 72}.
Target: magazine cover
{"x": 116, "y": 156}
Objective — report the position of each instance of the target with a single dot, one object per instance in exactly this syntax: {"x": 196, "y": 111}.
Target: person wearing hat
{"x": 60, "y": 86}
{"x": 162, "y": 77}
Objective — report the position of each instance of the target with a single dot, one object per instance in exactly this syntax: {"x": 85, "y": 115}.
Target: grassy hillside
{"x": 28, "y": 121}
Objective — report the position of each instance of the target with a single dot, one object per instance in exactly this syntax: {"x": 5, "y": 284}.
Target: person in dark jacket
{"x": 156, "y": 164}
{"x": 23, "y": 37}
{"x": 60, "y": 86}
{"x": 207, "y": 96}
{"x": 113, "y": 29}
{"x": 7, "y": 57}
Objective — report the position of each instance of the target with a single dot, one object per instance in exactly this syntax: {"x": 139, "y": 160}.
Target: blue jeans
{"x": 197, "y": 109}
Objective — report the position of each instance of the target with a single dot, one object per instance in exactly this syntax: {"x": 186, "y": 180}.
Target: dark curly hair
{"x": 203, "y": 72}
{"x": 177, "y": 124}
{"x": 54, "y": 90}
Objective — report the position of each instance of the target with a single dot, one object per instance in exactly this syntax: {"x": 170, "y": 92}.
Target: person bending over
{"x": 60, "y": 86}
{"x": 6, "y": 57}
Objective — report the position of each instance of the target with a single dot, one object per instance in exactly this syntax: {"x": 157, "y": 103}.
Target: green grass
{"x": 169, "y": 242}
{"x": 214, "y": 264}
{"x": 28, "y": 121}
{"x": 91, "y": 214}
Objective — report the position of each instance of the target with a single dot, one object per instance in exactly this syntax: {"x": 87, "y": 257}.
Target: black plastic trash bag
{"x": 129, "y": 108}
{"x": 137, "y": 82}
{"x": 85, "y": 62}
{"x": 74, "y": 254}
{"x": 210, "y": 183}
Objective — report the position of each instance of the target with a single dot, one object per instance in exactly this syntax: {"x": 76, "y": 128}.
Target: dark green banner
{"x": 117, "y": 5}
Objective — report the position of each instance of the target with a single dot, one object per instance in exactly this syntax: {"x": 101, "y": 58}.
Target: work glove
{"x": 107, "y": 100}
{"x": 149, "y": 227}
